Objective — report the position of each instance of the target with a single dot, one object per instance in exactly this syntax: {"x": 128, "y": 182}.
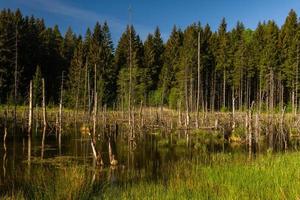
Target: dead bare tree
{"x": 199, "y": 79}
{"x": 16, "y": 79}
{"x": 130, "y": 70}
{"x": 44, "y": 104}
{"x": 30, "y": 109}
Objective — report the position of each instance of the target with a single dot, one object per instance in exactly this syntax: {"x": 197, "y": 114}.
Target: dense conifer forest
{"x": 196, "y": 68}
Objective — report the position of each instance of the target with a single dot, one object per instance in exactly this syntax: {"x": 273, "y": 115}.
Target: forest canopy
{"x": 238, "y": 65}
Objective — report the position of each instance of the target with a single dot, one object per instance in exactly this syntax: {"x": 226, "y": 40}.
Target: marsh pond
{"x": 157, "y": 164}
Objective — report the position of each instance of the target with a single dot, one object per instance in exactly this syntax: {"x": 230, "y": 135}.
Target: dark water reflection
{"x": 150, "y": 157}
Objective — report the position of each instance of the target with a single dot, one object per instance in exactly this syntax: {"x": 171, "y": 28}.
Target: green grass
{"x": 225, "y": 177}
{"x": 215, "y": 176}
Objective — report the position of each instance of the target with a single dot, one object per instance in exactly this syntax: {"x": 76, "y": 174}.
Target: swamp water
{"x": 68, "y": 170}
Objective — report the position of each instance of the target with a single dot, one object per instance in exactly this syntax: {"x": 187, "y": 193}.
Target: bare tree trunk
{"x": 130, "y": 74}
{"x": 30, "y": 109}
{"x": 250, "y": 135}
{"x": 60, "y": 112}
{"x": 198, "y": 82}
{"x": 122, "y": 100}
{"x": 85, "y": 87}
{"x": 141, "y": 115}
{"x": 44, "y": 117}
{"x": 16, "y": 81}
{"x": 187, "y": 119}
{"x": 95, "y": 79}
{"x": 191, "y": 102}
{"x": 162, "y": 101}
{"x": 233, "y": 108}
{"x": 283, "y": 135}
{"x": 61, "y": 105}
{"x": 110, "y": 154}
{"x": 224, "y": 88}
{"x": 5, "y": 130}
{"x": 89, "y": 94}
{"x": 293, "y": 98}
{"x": 44, "y": 103}
{"x": 272, "y": 91}
{"x": 29, "y": 149}
{"x": 296, "y": 84}
{"x": 43, "y": 142}
{"x": 179, "y": 113}
{"x": 213, "y": 96}
{"x": 95, "y": 117}
{"x": 257, "y": 132}
{"x": 260, "y": 93}
{"x": 77, "y": 97}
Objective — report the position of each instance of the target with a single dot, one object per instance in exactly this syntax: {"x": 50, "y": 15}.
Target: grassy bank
{"x": 226, "y": 177}
{"x": 218, "y": 176}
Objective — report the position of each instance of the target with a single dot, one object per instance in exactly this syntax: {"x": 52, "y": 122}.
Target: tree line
{"x": 196, "y": 68}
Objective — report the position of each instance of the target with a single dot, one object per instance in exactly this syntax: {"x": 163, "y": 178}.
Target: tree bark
{"x": 44, "y": 103}
{"x": 30, "y": 109}
{"x": 198, "y": 82}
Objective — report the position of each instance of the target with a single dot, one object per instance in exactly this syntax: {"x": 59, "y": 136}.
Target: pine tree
{"x": 207, "y": 66}
{"x": 109, "y": 74}
{"x": 222, "y": 57}
{"x": 122, "y": 66}
{"x": 75, "y": 82}
{"x": 238, "y": 51}
{"x": 68, "y": 47}
{"x": 271, "y": 60}
{"x": 170, "y": 68}
{"x": 289, "y": 54}
{"x": 188, "y": 63}
{"x": 153, "y": 51}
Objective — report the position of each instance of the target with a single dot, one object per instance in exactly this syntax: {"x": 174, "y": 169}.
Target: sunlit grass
{"x": 267, "y": 177}
{"x": 214, "y": 176}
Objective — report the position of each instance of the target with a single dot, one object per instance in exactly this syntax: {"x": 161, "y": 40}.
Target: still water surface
{"x": 150, "y": 157}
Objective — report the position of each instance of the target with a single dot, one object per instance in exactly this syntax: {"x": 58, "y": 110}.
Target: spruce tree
{"x": 222, "y": 57}
{"x": 171, "y": 64}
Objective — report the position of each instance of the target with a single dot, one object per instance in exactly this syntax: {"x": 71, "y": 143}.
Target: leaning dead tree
{"x": 44, "y": 117}
{"x": 96, "y": 154}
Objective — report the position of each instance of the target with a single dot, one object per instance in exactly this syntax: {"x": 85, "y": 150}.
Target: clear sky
{"x": 146, "y": 15}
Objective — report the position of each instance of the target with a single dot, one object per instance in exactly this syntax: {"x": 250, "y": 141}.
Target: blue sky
{"x": 146, "y": 15}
